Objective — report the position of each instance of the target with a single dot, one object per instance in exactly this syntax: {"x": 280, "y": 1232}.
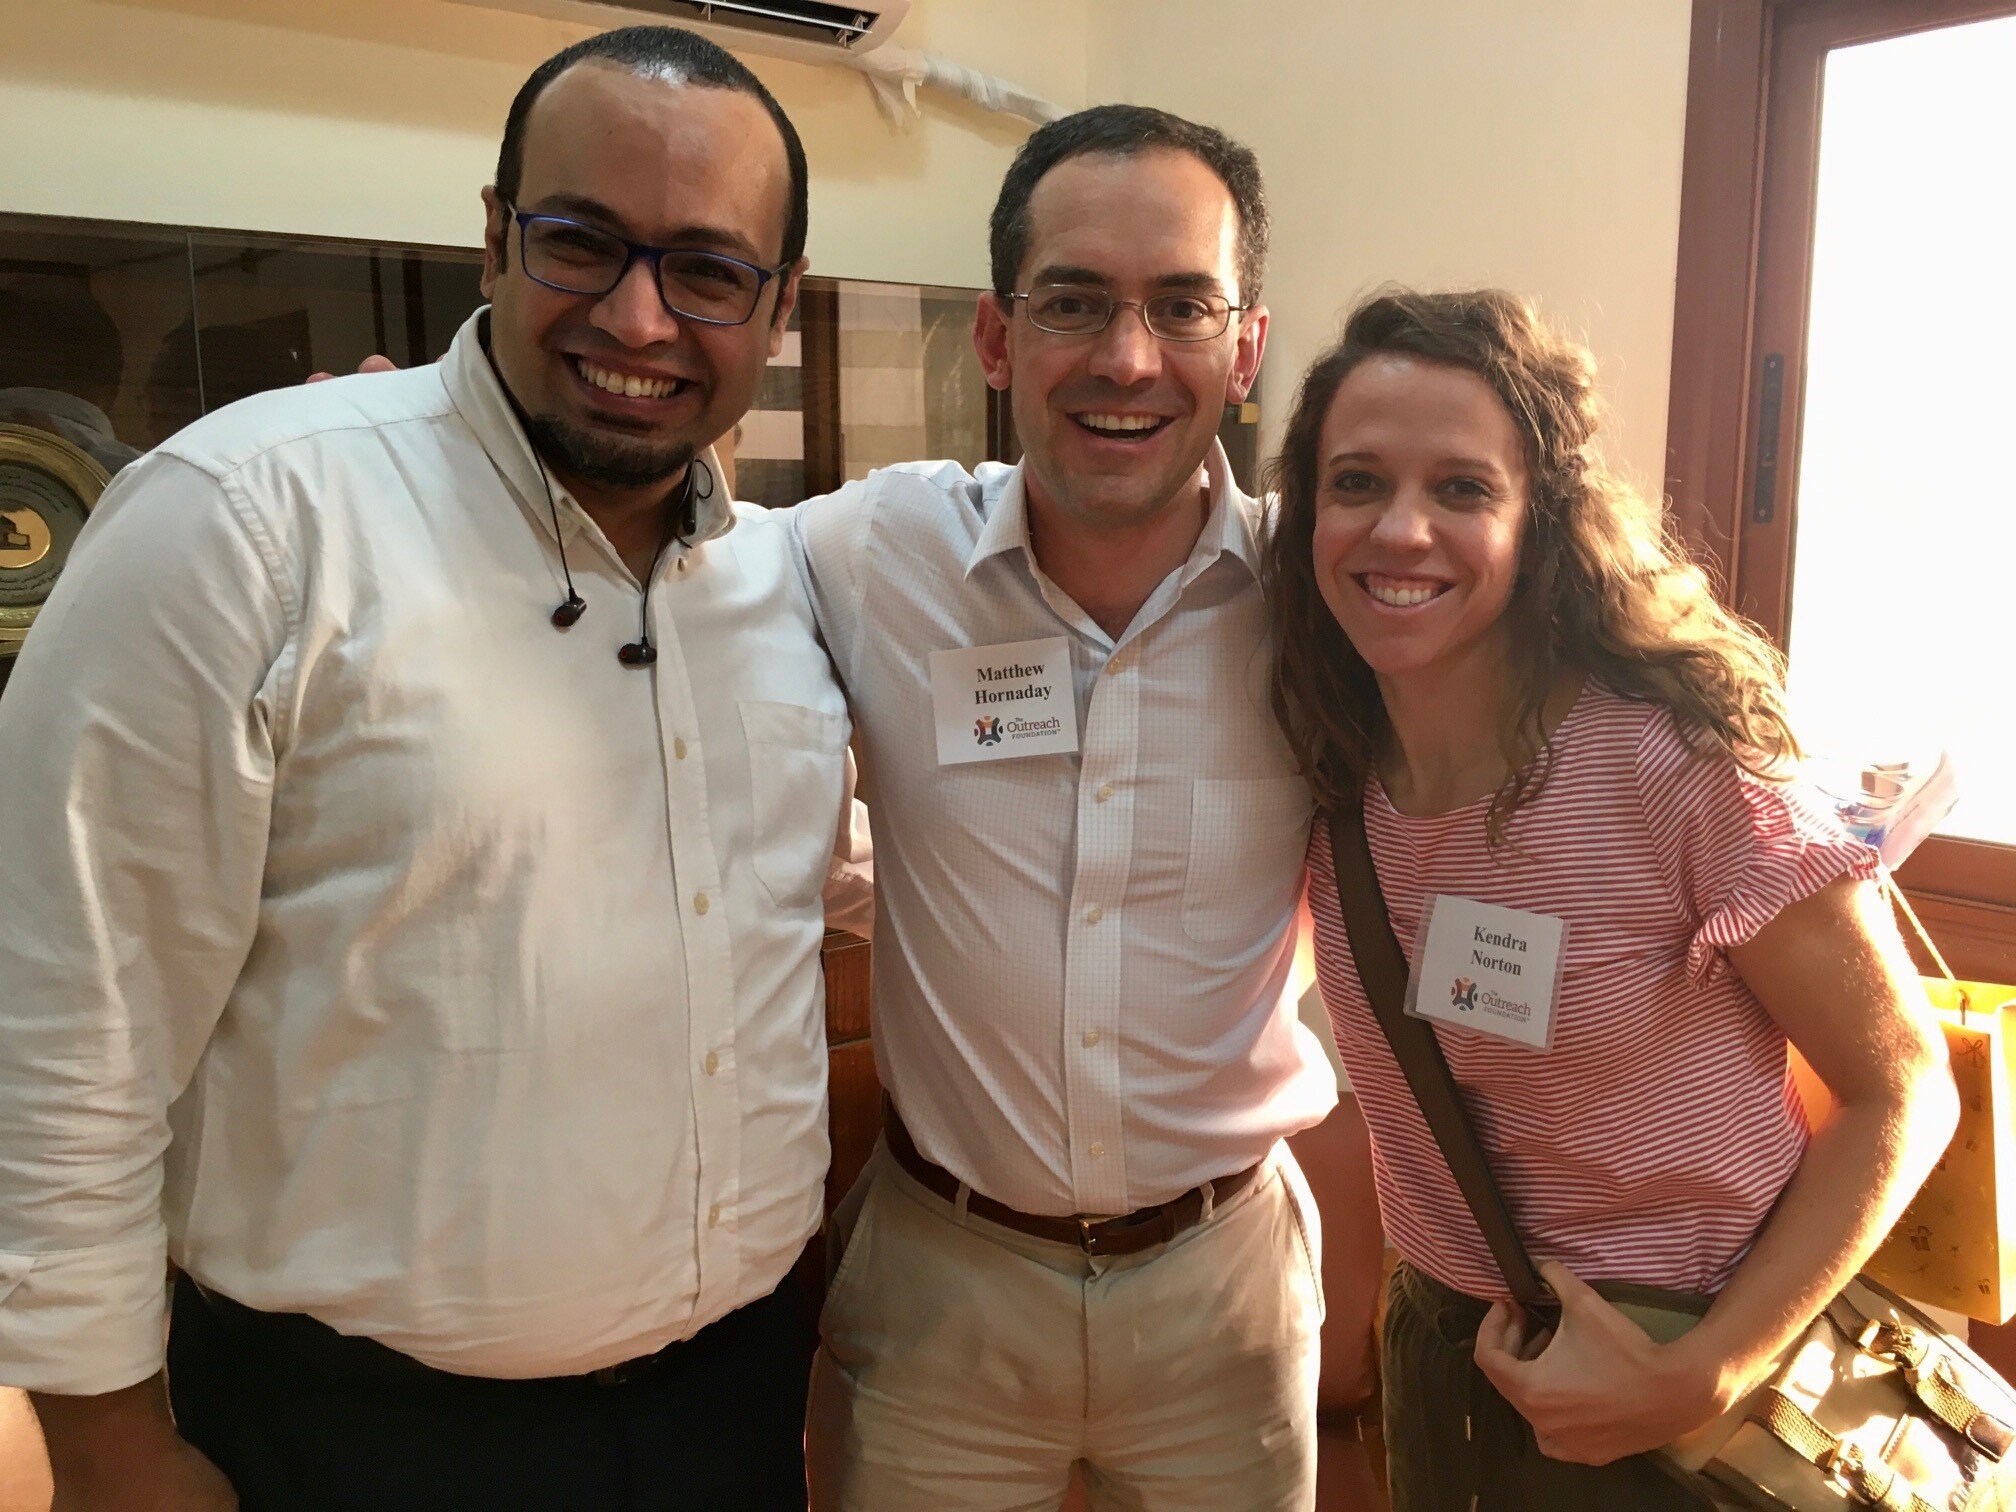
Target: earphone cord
{"x": 554, "y": 510}
{"x": 679, "y": 528}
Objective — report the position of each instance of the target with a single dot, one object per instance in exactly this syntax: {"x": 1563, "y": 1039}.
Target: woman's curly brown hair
{"x": 1604, "y": 588}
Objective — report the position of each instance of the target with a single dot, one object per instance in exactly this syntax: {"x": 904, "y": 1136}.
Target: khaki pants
{"x": 965, "y": 1367}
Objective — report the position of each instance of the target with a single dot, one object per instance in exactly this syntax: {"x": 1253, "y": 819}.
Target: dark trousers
{"x": 299, "y": 1417}
{"x": 1453, "y": 1443}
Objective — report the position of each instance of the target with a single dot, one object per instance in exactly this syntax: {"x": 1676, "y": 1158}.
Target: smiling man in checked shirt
{"x": 1082, "y": 1240}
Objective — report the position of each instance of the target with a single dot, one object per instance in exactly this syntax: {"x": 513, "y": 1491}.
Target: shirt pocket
{"x": 797, "y": 773}
{"x": 1247, "y": 837}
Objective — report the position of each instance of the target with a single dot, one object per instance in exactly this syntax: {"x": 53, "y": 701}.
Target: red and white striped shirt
{"x": 1650, "y": 1142}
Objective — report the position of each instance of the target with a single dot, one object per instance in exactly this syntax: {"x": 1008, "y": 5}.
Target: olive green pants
{"x": 1454, "y": 1444}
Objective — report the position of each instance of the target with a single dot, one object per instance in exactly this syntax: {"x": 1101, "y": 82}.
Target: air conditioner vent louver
{"x": 810, "y": 31}
{"x": 808, "y": 21}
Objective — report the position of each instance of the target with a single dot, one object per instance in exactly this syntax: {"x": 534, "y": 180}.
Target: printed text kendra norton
{"x": 1501, "y": 941}
{"x": 1010, "y": 673}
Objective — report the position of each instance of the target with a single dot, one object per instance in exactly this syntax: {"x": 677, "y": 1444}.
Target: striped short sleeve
{"x": 1736, "y": 848}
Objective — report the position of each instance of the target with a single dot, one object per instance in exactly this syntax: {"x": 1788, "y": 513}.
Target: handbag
{"x": 1873, "y": 1405}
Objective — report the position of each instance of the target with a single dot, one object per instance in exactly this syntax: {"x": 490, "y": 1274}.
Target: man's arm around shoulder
{"x": 836, "y": 540}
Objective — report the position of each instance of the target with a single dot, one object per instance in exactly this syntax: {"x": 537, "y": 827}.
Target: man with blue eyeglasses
{"x": 421, "y": 792}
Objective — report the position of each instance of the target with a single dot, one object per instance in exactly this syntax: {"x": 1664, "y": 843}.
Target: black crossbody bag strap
{"x": 1382, "y": 970}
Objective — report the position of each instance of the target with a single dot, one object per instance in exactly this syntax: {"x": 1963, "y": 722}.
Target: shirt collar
{"x": 1006, "y": 525}
{"x": 1228, "y": 525}
{"x": 479, "y": 397}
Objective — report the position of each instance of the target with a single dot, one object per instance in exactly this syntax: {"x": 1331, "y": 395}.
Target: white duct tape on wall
{"x": 894, "y": 72}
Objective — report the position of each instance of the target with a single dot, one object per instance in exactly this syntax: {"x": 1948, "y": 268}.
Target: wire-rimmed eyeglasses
{"x": 1085, "y": 310}
{"x": 577, "y": 258}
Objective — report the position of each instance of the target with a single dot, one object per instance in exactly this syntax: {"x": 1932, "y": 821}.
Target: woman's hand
{"x": 1597, "y": 1388}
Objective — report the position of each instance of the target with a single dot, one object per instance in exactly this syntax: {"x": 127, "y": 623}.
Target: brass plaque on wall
{"x": 47, "y": 488}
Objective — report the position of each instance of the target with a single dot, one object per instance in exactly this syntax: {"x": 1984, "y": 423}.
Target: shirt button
{"x": 1118, "y": 664}
{"x": 1091, "y": 1038}
{"x": 714, "y": 1216}
{"x": 678, "y": 750}
{"x": 700, "y": 904}
{"x": 1094, "y": 915}
{"x": 1098, "y": 1150}
{"x": 712, "y": 1063}
{"x": 1105, "y": 791}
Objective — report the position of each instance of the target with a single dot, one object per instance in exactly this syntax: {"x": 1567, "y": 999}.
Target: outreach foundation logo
{"x": 1464, "y": 995}
{"x": 987, "y": 730}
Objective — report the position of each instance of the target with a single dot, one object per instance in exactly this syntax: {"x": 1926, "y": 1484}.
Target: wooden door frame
{"x": 1748, "y": 186}
{"x": 1722, "y": 188}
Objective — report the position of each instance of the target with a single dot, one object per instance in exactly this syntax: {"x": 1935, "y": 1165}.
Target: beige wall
{"x": 1443, "y": 142}
{"x": 1534, "y": 145}
{"x": 380, "y": 118}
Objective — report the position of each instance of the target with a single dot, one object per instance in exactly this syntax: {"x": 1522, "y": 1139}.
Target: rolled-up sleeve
{"x": 1737, "y": 848}
{"x": 137, "y": 749}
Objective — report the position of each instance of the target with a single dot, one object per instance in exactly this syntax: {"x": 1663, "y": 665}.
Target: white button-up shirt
{"x": 1079, "y": 959}
{"x": 379, "y": 951}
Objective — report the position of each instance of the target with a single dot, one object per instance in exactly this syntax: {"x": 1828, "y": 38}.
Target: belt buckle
{"x": 611, "y": 1375}
{"x": 1088, "y": 1241}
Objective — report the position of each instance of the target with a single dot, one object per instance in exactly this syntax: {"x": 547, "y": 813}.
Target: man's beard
{"x": 611, "y": 461}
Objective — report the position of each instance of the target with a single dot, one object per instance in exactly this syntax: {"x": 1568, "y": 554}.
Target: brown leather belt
{"x": 1126, "y": 1235}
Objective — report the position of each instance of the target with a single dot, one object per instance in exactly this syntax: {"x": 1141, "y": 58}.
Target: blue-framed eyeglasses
{"x": 577, "y": 258}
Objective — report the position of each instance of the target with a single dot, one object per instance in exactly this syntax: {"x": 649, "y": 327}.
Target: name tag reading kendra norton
{"x": 1487, "y": 969}
{"x": 995, "y": 702}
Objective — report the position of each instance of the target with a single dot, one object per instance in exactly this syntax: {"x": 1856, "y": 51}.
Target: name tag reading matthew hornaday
{"x": 994, "y": 702}
{"x": 1488, "y": 969}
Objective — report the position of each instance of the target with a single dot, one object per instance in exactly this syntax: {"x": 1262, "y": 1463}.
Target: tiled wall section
{"x": 881, "y": 376}
{"x": 770, "y": 441}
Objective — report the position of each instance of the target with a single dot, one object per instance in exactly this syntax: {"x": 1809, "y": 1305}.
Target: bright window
{"x": 1903, "y": 623}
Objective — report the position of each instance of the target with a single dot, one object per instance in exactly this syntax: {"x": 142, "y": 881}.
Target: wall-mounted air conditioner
{"x": 813, "y": 31}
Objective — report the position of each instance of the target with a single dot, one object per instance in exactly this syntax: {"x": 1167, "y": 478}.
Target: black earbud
{"x": 640, "y": 652}
{"x": 574, "y": 606}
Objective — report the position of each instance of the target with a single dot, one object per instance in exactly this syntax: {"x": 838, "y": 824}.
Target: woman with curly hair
{"x": 1491, "y": 649}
